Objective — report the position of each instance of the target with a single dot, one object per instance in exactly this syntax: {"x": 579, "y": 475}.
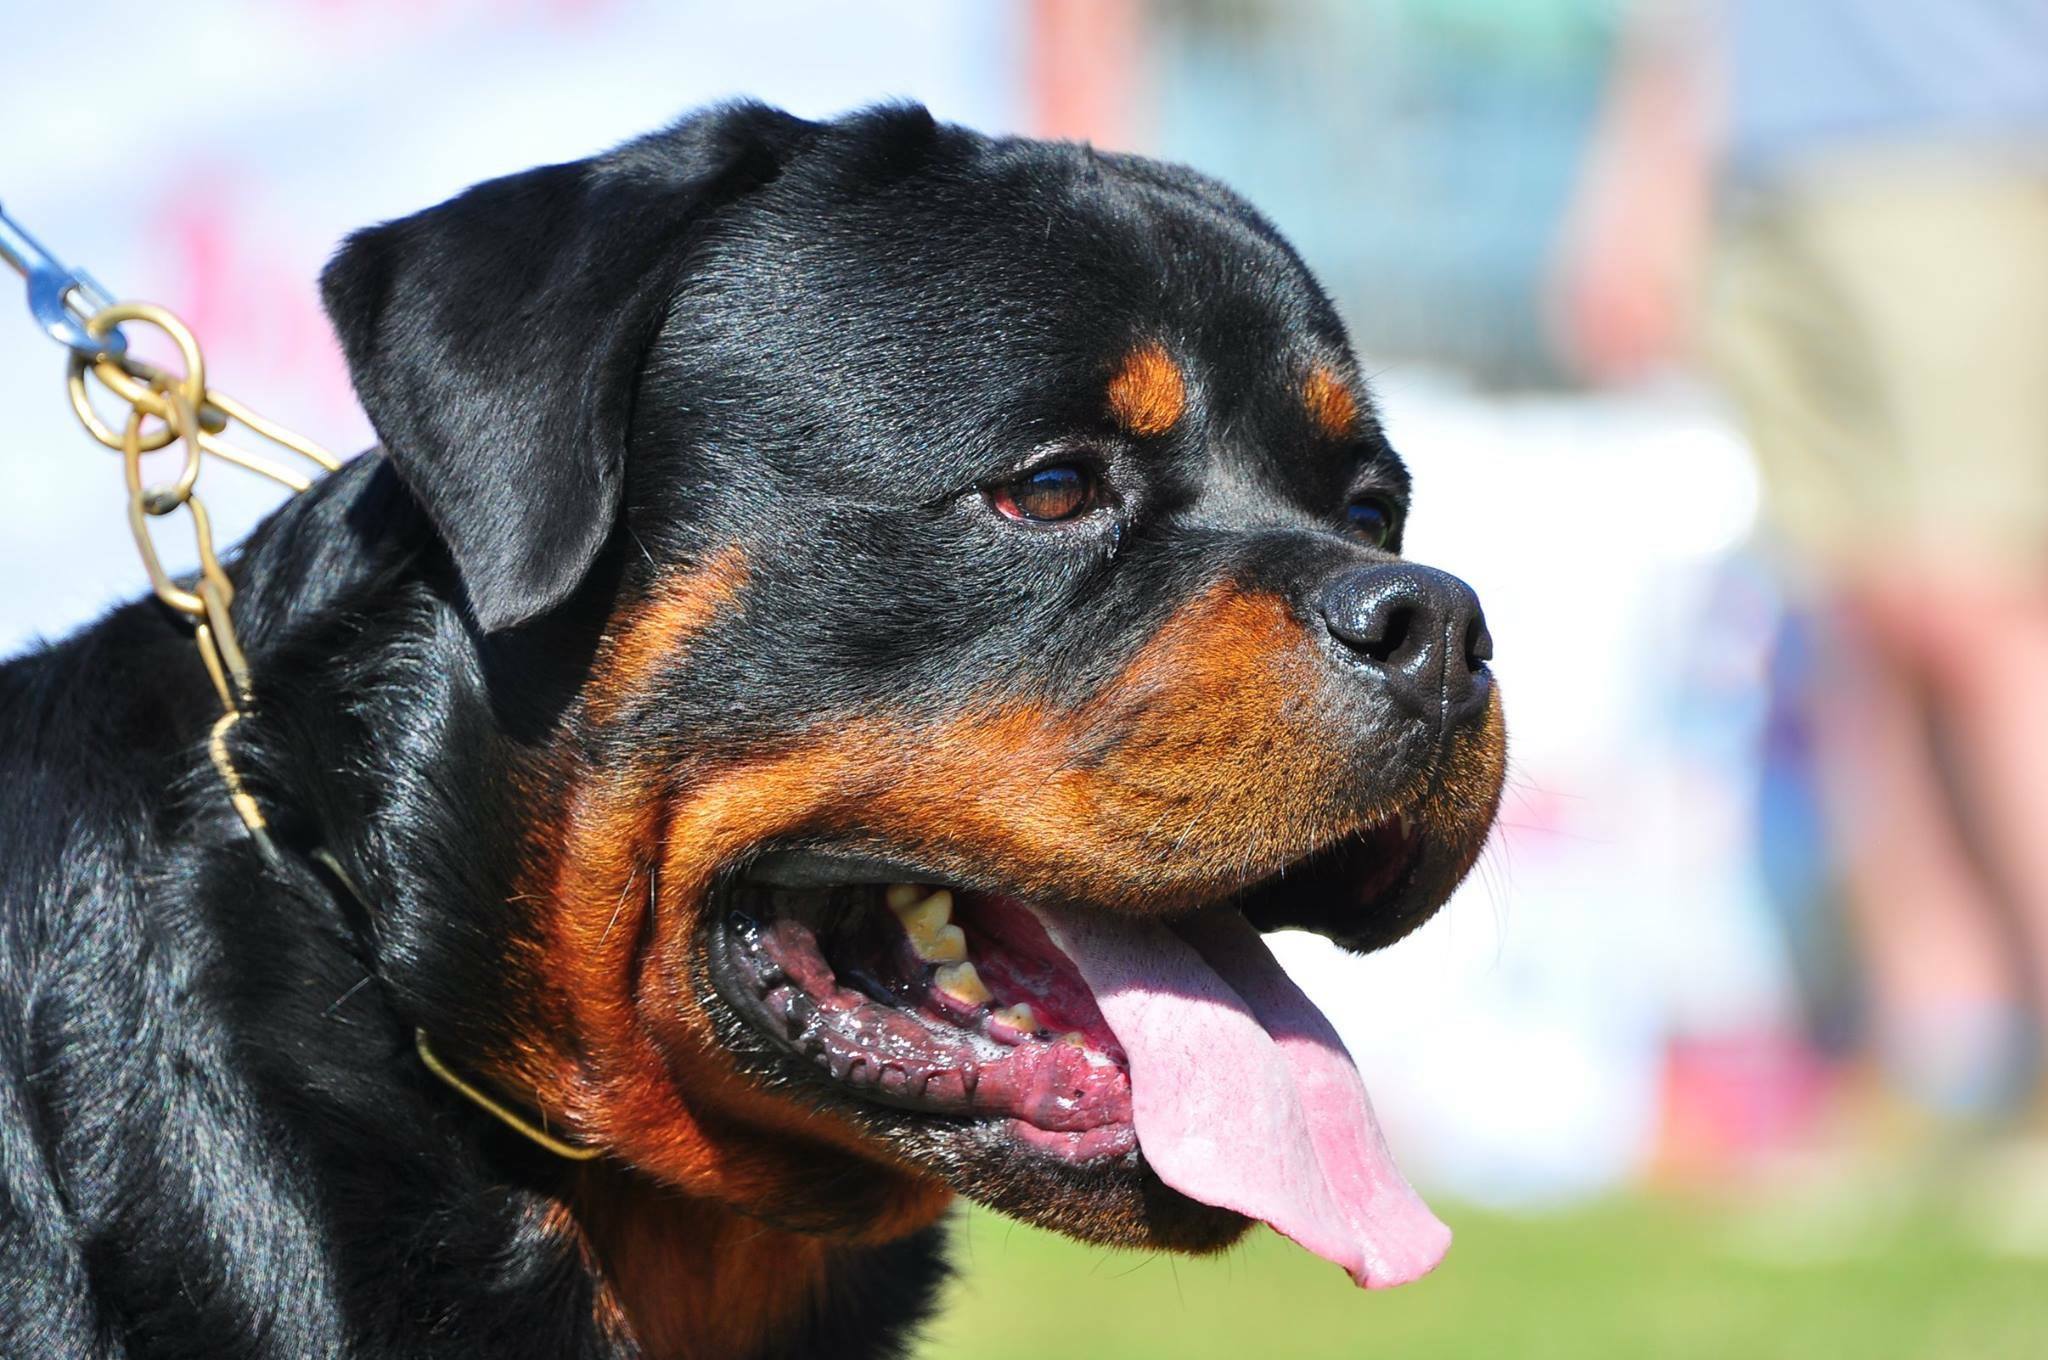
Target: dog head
{"x": 996, "y": 557}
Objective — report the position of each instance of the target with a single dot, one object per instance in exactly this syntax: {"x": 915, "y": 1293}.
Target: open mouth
{"x": 877, "y": 985}
{"x": 1093, "y": 1039}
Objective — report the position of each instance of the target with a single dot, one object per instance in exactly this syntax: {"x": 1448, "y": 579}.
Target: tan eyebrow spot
{"x": 1148, "y": 393}
{"x": 1329, "y": 401}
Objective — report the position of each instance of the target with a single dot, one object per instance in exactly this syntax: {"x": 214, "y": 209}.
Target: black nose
{"x": 1422, "y": 629}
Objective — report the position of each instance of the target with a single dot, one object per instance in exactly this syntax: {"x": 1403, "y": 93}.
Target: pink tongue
{"x": 1243, "y": 1095}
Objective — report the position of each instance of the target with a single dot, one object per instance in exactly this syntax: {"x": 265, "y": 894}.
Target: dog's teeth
{"x": 1018, "y": 1017}
{"x": 902, "y": 895}
{"x": 961, "y": 982}
{"x": 1406, "y": 824}
{"x": 948, "y": 944}
{"x": 1073, "y": 1038}
{"x": 924, "y": 912}
{"x": 928, "y": 923}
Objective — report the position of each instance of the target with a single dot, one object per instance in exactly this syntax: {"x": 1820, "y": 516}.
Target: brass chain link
{"x": 166, "y": 408}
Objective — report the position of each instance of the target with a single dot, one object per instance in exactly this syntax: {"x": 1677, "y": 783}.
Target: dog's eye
{"x": 1048, "y": 495}
{"x": 1374, "y": 517}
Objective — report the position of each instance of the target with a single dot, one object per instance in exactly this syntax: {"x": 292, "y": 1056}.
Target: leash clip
{"x": 60, "y": 298}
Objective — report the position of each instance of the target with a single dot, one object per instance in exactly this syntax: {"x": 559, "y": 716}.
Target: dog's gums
{"x": 979, "y": 1018}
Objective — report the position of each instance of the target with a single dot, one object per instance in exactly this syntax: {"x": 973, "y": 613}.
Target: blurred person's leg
{"x": 2000, "y": 714}
{"x": 1952, "y": 275}
{"x": 1987, "y": 642}
{"x": 1943, "y": 1026}
{"x": 1946, "y": 1003}
{"x": 1848, "y": 319}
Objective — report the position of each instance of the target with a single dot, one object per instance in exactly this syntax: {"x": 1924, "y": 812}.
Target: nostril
{"x": 1384, "y": 632}
{"x": 1381, "y": 615}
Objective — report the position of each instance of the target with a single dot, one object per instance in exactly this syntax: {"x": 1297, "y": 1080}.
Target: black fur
{"x": 817, "y": 340}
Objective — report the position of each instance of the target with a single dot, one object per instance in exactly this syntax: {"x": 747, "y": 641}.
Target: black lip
{"x": 1352, "y": 893}
{"x": 810, "y": 868}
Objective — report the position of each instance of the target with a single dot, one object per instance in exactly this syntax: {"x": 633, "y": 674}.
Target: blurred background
{"x": 1716, "y": 336}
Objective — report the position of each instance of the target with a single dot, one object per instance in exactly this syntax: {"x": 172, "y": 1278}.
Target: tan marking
{"x": 685, "y": 1280}
{"x": 1331, "y": 405}
{"x": 1148, "y": 393}
{"x": 654, "y": 633}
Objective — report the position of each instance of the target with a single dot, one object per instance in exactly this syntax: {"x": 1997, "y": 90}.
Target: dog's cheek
{"x": 617, "y": 866}
{"x": 638, "y": 1068}
{"x": 1213, "y": 746}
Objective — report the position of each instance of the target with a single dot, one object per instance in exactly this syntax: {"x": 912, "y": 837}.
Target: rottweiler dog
{"x": 852, "y": 631}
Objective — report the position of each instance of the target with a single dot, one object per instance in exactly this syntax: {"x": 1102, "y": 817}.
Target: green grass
{"x": 1632, "y": 1278}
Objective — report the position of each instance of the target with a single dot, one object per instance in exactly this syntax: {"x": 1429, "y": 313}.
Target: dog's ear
{"x": 496, "y": 341}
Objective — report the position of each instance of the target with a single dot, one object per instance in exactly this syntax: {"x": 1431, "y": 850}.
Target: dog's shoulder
{"x": 176, "y": 1176}
{"x": 127, "y": 1145}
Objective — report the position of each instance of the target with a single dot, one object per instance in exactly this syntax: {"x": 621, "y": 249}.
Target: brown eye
{"x": 1049, "y": 494}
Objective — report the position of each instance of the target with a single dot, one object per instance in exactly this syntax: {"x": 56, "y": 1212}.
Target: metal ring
{"x": 160, "y": 500}
{"x": 81, "y": 406}
{"x": 193, "y": 381}
{"x": 167, "y": 590}
{"x": 121, "y": 376}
